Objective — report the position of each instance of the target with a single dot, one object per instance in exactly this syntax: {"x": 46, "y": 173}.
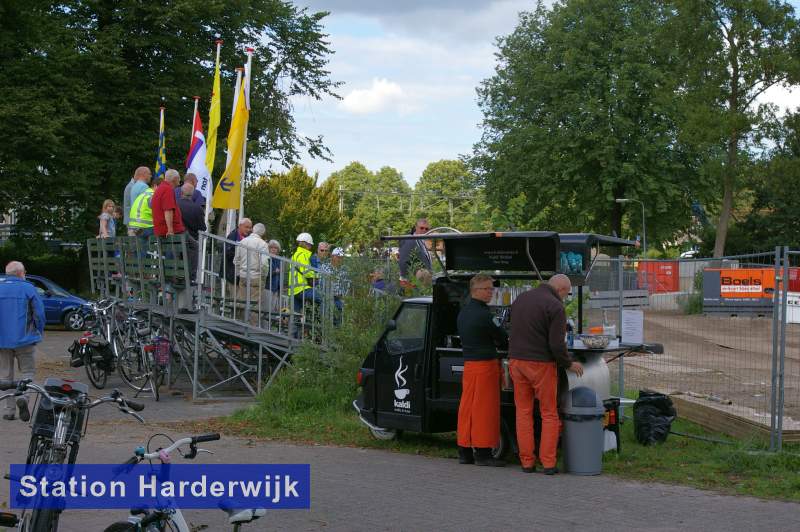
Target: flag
{"x": 226, "y": 194}
{"x": 214, "y": 114}
{"x": 196, "y": 160}
{"x": 161, "y": 155}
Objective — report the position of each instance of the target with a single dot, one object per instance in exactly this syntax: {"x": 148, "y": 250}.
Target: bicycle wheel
{"x": 156, "y": 376}
{"x": 97, "y": 376}
{"x": 46, "y": 519}
{"x": 133, "y": 369}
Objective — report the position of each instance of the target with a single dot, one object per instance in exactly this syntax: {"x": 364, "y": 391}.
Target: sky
{"x": 409, "y": 70}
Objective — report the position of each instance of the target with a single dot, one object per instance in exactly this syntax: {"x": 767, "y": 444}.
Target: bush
{"x": 59, "y": 266}
{"x": 693, "y": 303}
{"x": 316, "y": 392}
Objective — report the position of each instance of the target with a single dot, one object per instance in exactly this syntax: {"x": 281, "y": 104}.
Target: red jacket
{"x": 164, "y": 200}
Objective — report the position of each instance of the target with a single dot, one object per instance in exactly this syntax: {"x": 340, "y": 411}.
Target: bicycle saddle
{"x": 237, "y": 515}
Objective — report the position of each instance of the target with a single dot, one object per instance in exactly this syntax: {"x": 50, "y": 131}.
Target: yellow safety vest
{"x": 141, "y": 215}
{"x": 301, "y": 274}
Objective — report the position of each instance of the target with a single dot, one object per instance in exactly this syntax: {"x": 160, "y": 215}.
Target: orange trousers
{"x": 536, "y": 380}
{"x": 479, "y": 409}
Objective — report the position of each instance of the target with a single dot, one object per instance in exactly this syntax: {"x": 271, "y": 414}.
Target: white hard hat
{"x": 305, "y": 237}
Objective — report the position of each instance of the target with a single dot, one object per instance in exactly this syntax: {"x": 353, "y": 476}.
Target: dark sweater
{"x": 538, "y": 326}
{"x": 479, "y": 335}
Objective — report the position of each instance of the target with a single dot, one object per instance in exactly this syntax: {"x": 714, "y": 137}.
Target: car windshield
{"x": 57, "y": 290}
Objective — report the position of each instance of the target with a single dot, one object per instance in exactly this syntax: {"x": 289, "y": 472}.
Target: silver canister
{"x": 507, "y": 384}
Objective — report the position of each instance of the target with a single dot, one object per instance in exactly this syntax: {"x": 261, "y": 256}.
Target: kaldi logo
{"x": 732, "y": 281}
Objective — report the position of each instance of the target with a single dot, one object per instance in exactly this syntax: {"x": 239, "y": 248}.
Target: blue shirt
{"x": 22, "y": 311}
{"x": 136, "y": 189}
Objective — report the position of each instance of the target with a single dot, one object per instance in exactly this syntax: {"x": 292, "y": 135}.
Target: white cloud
{"x": 381, "y": 96}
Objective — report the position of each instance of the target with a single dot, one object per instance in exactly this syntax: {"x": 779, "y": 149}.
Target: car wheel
{"x": 502, "y": 447}
{"x": 385, "y": 434}
{"x": 74, "y": 320}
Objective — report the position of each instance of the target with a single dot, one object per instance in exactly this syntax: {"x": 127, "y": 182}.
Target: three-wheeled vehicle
{"x": 411, "y": 379}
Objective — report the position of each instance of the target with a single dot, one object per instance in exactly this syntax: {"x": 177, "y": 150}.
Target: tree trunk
{"x": 729, "y": 178}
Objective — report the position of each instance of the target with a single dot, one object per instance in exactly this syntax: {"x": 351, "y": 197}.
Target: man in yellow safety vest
{"x": 141, "y": 215}
{"x": 302, "y": 275}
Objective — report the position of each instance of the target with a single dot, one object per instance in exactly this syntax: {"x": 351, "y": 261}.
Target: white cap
{"x": 338, "y": 252}
{"x": 305, "y": 237}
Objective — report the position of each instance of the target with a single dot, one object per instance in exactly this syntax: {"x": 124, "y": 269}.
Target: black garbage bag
{"x": 653, "y": 414}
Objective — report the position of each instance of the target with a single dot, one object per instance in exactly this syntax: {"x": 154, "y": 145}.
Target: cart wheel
{"x": 500, "y": 451}
{"x": 385, "y": 434}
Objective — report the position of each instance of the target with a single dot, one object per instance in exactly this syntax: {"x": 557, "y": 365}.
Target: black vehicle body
{"x": 411, "y": 379}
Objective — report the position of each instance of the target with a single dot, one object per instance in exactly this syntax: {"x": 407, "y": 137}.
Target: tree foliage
{"x": 735, "y": 50}
{"x": 580, "y": 111}
{"x": 82, "y": 83}
{"x": 291, "y": 203}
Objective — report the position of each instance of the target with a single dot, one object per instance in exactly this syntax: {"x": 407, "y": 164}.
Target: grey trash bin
{"x": 582, "y": 439}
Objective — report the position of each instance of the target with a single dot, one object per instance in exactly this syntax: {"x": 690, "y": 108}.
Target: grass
{"x": 744, "y": 468}
{"x": 311, "y": 403}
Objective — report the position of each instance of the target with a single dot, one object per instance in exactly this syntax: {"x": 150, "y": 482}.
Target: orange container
{"x": 596, "y": 330}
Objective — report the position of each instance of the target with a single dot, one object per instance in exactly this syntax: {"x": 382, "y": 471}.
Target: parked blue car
{"x": 60, "y": 307}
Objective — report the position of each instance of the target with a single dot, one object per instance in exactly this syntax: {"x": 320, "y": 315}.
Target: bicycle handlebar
{"x": 116, "y": 396}
{"x": 191, "y": 441}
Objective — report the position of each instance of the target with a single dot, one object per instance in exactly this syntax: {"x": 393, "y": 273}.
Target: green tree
{"x": 291, "y": 203}
{"x": 82, "y": 83}
{"x": 352, "y": 180}
{"x": 450, "y": 195}
{"x": 382, "y": 209}
{"x": 735, "y": 50}
{"x": 581, "y": 111}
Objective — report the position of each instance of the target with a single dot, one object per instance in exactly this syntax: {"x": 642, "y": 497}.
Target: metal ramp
{"x": 228, "y": 338}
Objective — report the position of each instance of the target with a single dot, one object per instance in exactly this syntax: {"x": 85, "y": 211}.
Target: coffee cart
{"x": 411, "y": 379}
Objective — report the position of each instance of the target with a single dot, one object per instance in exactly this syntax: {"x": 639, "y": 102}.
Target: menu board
{"x": 505, "y": 254}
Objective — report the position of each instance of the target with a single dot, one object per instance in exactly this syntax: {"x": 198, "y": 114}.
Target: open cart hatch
{"x": 529, "y": 251}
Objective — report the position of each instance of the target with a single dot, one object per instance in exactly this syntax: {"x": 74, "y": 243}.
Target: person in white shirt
{"x": 251, "y": 261}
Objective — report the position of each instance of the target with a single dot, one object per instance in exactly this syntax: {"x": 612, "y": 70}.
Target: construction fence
{"x": 730, "y": 330}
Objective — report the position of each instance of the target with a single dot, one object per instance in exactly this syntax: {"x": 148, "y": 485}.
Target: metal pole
{"x": 784, "y": 295}
{"x": 644, "y": 231}
{"x": 773, "y": 401}
{"x": 243, "y": 179}
{"x": 621, "y": 360}
{"x": 232, "y": 212}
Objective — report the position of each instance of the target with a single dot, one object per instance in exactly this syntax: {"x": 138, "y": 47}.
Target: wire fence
{"x": 722, "y": 327}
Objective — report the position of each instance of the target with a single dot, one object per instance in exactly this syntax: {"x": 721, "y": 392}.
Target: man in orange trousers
{"x": 537, "y": 349}
{"x": 479, "y": 408}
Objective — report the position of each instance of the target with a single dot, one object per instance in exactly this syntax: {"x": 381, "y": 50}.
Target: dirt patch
{"x": 728, "y": 359}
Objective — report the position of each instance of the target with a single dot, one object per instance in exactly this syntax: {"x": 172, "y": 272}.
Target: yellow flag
{"x": 214, "y": 114}
{"x": 226, "y": 195}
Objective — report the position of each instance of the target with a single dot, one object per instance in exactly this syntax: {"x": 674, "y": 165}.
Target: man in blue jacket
{"x": 20, "y": 330}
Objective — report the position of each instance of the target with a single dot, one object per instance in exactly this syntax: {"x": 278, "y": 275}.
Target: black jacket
{"x": 230, "y": 252}
{"x": 410, "y": 248}
{"x": 480, "y": 337}
{"x": 538, "y": 326}
{"x": 193, "y": 215}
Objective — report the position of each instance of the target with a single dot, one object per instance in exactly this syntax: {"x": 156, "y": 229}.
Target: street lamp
{"x": 644, "y": 229}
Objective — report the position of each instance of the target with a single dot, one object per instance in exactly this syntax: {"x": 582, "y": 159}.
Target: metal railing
{"x": 724, "y": 328}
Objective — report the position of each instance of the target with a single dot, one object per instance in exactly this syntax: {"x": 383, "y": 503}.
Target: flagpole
{"x": 194, "y": 113}
{"x": 232, "y": 212}
{"x": 248, "y": 74}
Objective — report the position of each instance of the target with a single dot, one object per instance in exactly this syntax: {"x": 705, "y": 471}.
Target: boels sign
{"x": 747, "y": 282}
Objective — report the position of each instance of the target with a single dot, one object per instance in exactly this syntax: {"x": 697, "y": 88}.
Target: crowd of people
{"x": 169, "y": 207}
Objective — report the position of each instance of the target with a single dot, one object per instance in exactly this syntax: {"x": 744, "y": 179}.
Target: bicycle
{"x": 161, "y": 519}
{"x": 59, "y": 422}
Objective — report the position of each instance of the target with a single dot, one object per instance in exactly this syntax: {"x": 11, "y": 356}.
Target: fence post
{"x": 621, "y": 360}
{"x": 776, "y": 320}
{"x": 781, "y": 363}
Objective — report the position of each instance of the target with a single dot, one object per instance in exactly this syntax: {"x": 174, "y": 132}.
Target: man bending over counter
{"x": 536, "y": 350}
{"x": 479, "y": 409}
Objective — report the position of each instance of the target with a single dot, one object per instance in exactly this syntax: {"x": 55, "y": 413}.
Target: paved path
{"x": 355, "y": 489}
